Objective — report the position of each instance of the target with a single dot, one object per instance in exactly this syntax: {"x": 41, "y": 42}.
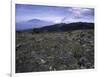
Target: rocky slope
{"x": 51, "y": 51}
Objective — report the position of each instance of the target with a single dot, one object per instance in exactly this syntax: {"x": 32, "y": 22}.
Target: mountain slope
{"x": 66, "y": 27}
{"x": 50, "y": 51}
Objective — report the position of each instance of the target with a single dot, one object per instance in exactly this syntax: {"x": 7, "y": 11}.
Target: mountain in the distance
{"x": 33, "y": 23}
{"x": 65, "y": 27}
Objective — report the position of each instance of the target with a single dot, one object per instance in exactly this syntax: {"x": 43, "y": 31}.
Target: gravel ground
{"x": 54, "y": 51}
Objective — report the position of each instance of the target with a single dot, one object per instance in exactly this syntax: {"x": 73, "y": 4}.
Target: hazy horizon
{"x": 53, "y": 14}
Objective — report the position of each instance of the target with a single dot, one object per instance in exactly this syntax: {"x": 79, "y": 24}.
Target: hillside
{"x": 50, "y": 51}
{"x": 61, "y": 27}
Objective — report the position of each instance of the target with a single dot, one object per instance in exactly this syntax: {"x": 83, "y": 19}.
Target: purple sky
{"x": 25, "y": 12}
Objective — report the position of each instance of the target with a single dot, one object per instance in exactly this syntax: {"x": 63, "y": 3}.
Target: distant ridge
{"x": 60, "y": 27}
{"x": 33, "y": 23}
{"x": 66, "y": 27}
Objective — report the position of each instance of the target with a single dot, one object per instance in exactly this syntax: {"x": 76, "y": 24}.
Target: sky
{"x": 25, "y": 12}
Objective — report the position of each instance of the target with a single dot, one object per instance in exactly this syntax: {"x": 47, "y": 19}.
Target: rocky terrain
{"x": 50, "y": 51}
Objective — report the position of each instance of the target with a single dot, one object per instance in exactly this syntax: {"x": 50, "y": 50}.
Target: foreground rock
{"x": 54, "y": 51}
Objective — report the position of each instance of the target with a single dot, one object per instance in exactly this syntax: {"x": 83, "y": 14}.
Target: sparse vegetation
{"x": 49, "y": 51}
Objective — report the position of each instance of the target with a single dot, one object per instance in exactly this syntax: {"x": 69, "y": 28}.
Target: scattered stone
{"x": 82, "y": 61}
{"x": 43, "y": 61}
{"x": 88, "y": 65}
{"x": 50, "y": 68}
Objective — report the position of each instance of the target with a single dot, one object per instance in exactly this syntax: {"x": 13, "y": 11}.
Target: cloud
{"x": 53, "y": 13}
{"x": 81, "y": 12}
